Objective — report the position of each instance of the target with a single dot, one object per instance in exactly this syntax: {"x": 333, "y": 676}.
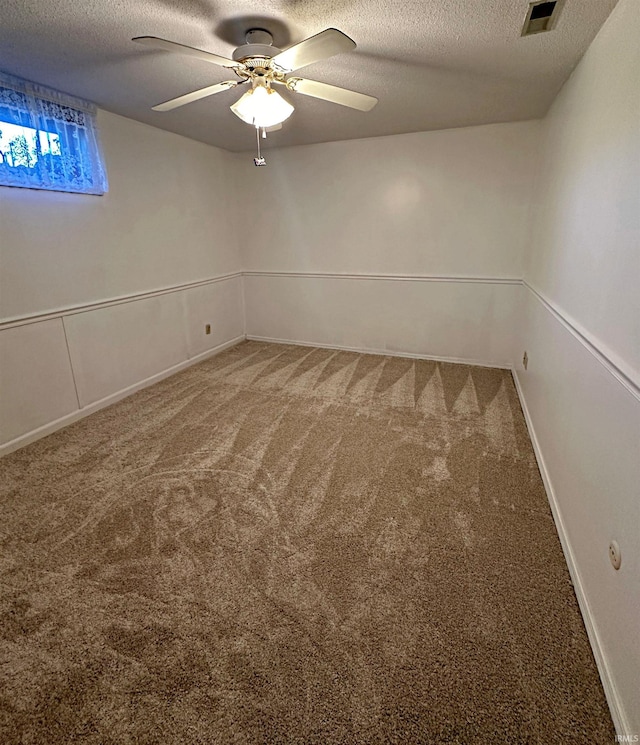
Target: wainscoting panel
{"x": 36, "y": 381}
{"x": 218, "y": 304}
{"x": 584, "y": 419}
{"x": 62, "y": 365}
{"x": 112, "y": 348}
{"x": 454, "y": 318}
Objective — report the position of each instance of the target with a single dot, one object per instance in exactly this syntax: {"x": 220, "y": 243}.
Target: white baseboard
{"x": 384, "y": 352}
{"x": 74, "y": 416}
{"x": 620, "y": 720}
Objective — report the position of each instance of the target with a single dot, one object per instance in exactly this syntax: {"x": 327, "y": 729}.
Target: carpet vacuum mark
{"x": 292, "y": 545}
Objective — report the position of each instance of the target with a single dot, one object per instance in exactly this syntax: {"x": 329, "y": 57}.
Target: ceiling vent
{"x": 541, "y": 16}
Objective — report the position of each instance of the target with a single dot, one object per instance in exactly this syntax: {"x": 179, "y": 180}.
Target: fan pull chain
{"x": 259, "y": 161}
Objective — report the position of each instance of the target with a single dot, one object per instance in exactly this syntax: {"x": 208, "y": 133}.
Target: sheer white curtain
{"x": 48, "y": 140}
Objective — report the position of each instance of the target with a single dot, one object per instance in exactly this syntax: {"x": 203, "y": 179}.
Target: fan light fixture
{"x": 262, "y": 107}
{"x": 260, "y": 63}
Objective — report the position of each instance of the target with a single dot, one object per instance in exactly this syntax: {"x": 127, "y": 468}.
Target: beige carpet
{"x": 292, "y": 545}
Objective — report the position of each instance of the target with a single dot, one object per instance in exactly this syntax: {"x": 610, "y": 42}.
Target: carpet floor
{"x": 292, "y": 545}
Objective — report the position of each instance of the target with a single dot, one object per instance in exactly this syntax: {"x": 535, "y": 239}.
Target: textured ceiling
{"x": 432, "y": 64}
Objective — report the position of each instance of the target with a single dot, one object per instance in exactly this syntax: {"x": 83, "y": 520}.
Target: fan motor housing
{"x": 248, "y": 52}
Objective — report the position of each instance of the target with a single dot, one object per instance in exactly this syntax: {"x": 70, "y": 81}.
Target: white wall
{"x": 164, "y": 222}
{"x": 455, "y": 320}
{"x": 430, "y": 206}
{"x": 581, "y": 330}
{"x": 101, "y": 294}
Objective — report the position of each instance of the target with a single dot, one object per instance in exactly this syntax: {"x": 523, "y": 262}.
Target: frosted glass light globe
{"x": 262, "y": 107}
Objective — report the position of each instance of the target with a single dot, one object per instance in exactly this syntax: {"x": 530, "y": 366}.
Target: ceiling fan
{"x": 265, "y": 67}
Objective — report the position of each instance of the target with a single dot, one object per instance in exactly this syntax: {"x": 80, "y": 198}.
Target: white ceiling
{"x": 432, "y": 64}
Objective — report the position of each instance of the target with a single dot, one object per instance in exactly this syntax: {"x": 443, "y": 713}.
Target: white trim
{"x": 244, "y": 306}
{"x": 73, "y": 372}
{"x": 383, "y": 352}
{"x": 608, "y": 359}
{"x": 390, "y": 277}
{"x": 113, "y": 398}
{"x": 615, "y": 705}
{"x": 70, "y": 310}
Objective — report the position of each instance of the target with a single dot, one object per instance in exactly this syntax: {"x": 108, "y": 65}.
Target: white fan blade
{"x": 171, "y": 46}
{"x": 315, "y": 48}
{"x": 332, "y": 93}
{"x": 196, "y": 95}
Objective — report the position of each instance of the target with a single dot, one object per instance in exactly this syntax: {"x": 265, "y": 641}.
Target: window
{"x": 48, "y": 140}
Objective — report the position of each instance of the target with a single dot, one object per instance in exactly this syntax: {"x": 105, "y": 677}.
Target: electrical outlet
{"x": 207, "y": 328}
{"x": 525, "y": 360}
{"x": 614, "y": 554}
